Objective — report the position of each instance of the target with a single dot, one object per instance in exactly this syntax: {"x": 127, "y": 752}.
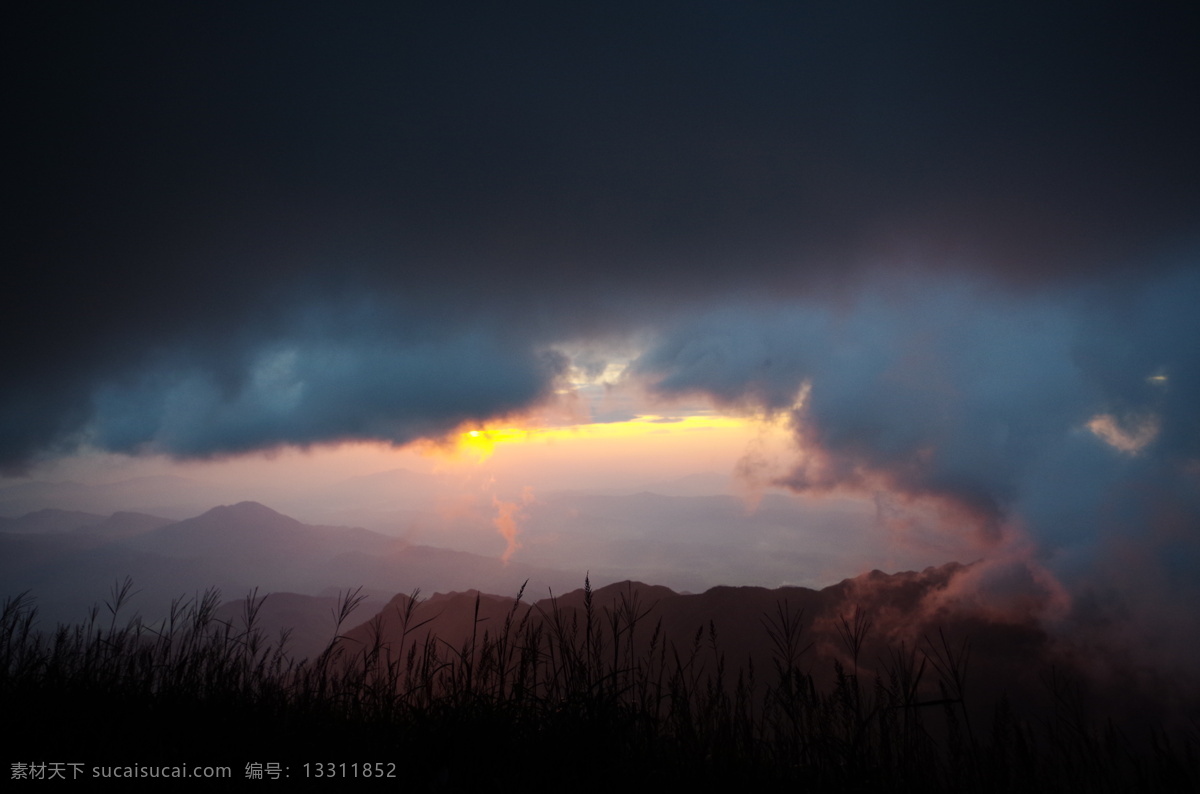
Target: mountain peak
{"x": 243, "y": 510}
{"x": 241, "y": 517}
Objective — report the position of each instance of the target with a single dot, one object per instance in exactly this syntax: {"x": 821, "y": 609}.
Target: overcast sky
{"x": 953, "y": 248}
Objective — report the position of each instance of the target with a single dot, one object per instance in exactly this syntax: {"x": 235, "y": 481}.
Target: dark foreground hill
{"x": 629, "y": 687}
{"x": 955, "y": 678}
{"x": 861, "y": 627}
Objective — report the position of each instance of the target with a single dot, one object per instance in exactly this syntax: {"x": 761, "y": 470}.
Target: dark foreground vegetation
{"x": 558, "y": 699}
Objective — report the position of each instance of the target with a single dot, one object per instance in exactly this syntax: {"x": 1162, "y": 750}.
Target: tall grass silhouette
{"x": 591, "y": 698}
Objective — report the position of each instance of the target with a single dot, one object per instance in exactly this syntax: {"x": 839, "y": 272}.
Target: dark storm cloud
{"x": 191, "y": 183}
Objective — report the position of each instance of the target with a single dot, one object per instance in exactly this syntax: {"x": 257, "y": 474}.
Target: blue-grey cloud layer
{"x": 369, "y": 382}
{"x": 937, "y": 389}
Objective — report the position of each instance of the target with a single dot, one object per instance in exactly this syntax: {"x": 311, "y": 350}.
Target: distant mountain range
{"x": 689, "y": 534}
{"x": 69, "y": 560}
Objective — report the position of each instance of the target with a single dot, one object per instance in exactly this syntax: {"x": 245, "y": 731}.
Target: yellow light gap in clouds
{"x": 480, "y": 442}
